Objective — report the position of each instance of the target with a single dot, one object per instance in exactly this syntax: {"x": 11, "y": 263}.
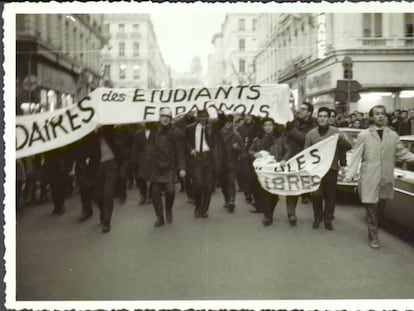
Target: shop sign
{"x": 55, "y": 79}
{"x": 318, "y": 82}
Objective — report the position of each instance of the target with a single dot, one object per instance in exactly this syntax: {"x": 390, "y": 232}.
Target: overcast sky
{"x": 183, "y": 36}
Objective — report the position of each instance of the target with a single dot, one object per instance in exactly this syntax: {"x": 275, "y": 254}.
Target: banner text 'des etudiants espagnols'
{"x": 50, "y": 130}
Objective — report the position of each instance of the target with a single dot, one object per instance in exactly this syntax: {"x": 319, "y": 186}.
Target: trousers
{"x": 374, "y": 214}
{"x": 107, "y": 176}
{"x": 228, "y": 183}
{"x": 156, "y": 196}
{"x": 203, "y": 181}
{"x": 326, "y": 192}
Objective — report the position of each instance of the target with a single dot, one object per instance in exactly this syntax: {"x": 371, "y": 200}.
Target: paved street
{"x": 227, "y": 256}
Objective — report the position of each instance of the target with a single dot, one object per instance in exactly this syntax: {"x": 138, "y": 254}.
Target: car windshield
{"x": 351, "y": 136}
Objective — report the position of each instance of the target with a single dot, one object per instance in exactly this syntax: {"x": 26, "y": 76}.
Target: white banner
{"x": 301, "y": 174}
{"x": 46, "y": 131}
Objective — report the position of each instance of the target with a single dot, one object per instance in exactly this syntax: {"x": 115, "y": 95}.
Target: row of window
{"x": 122, "y": 69}
{"x": 121, "y": 49}
{"x": 242, "y": 24}
{"x": 121, "y": 27}
{"x": 372, "y": 24}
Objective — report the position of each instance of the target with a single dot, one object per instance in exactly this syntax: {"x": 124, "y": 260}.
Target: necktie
{"x": 201, "y": 138}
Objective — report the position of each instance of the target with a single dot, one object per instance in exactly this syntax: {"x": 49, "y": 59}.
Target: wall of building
{"x": 62, "y": 54}
{"x": 140, "y": 59}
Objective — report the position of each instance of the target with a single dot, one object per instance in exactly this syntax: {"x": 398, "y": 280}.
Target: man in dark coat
{"x": 103, "y": 158}
{"x": 231, "y": 147}
{"x": 123, "y": 138}
{"x": 296, "y": 133}
{"x": 201, "y": 143}
{"x": 407, "y": 126}
{"x": 249, "y": 131}
{"x": 56, "y": 170}
{"x": 142, "y": 158}
{"x": 275, "y": 144}
{"x": 167, "y": 156}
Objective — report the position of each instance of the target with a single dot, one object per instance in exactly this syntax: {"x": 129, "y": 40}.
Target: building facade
{"x": 234, "y": 49}
{"x": 132, "y": 57}
{"x": 57, "y": 59}
{"x": 307, "y": 50}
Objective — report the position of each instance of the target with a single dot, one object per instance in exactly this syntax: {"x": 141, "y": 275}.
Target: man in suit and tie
{"x": 201, "y": 140}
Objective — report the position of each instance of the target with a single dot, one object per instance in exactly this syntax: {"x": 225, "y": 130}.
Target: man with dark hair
{"x": 201, "y": 141}
{"x": 296, "y": 133}
{"x": 377, "y": 147}
{"x": 332, "y": 117}
{"x": 166, "y": 157}
{"x": 407, "y": 126}
{"x": 396, "y": 119}
{"x": 327, "y": 188}
{"x": 275, "y": 144}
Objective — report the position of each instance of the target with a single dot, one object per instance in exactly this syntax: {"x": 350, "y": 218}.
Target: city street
{"x": 227, "y": 256}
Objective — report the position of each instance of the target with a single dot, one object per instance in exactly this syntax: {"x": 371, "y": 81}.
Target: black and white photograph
{"x": 209, "y": 155}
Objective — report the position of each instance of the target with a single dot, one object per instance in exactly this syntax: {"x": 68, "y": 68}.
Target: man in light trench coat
{"x": 377, "y": 147}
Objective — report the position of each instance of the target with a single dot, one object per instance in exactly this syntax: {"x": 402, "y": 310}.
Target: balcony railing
{"x": 390, "y": 42}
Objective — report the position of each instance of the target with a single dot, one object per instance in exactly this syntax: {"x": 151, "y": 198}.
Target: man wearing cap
{"x": 201, "y": 139}
{"x": 167, "y": 156}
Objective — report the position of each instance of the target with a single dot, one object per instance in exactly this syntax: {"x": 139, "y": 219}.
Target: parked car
{"x": 343, "y": 185}
{"x": 400, "y": 210}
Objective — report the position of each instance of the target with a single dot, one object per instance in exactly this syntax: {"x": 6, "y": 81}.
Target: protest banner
{"x": 301, "y": 174}
{"x": 45, "y": 131}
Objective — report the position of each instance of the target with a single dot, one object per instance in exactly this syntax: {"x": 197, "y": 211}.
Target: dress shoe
{"x": 226, "y": 205}
{"x": 159, "y": 222}
{"x": 169, "y": 216}
{"x": 85, "y": 216}
{"x": 328, "y": 226}
{"x": 142, "y": 201}
{"x": 204, "y": 215}
{"x": 197, "y": 214}
{"x": 59, "y": 211}
{"x": 255, "y": 210}
{"x": 231, "y": 207}
{"x": 374, "y": 244}
{"x": 292, "y": 220}
{"x": 106, "y": 228}
{"x": 249, "y": 199}
{"x": 267, "y": 222}
{"x": 316, "y": 224}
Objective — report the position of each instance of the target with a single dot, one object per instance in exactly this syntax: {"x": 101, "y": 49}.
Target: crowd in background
{"x": 401, "y": 121}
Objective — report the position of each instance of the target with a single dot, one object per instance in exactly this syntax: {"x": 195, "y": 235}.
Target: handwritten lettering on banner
{"x": 50, "y": 130}
{"x": 302, "y": 173}
{"x": 140, "y": 105}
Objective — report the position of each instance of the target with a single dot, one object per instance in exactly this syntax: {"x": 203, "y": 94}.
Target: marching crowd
{"x": 202, "y": 153}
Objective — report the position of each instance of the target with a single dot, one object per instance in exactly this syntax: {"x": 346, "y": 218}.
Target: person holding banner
{"x": 376, "y": 149}
{"x": 327, "y": 187}
{"x": 201, "y": 141}
{"x": 231, "y": 147}
{"x": 276, "y": 145}
{"x": 167, "y": 156}
{"x": 296, "y": 135}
